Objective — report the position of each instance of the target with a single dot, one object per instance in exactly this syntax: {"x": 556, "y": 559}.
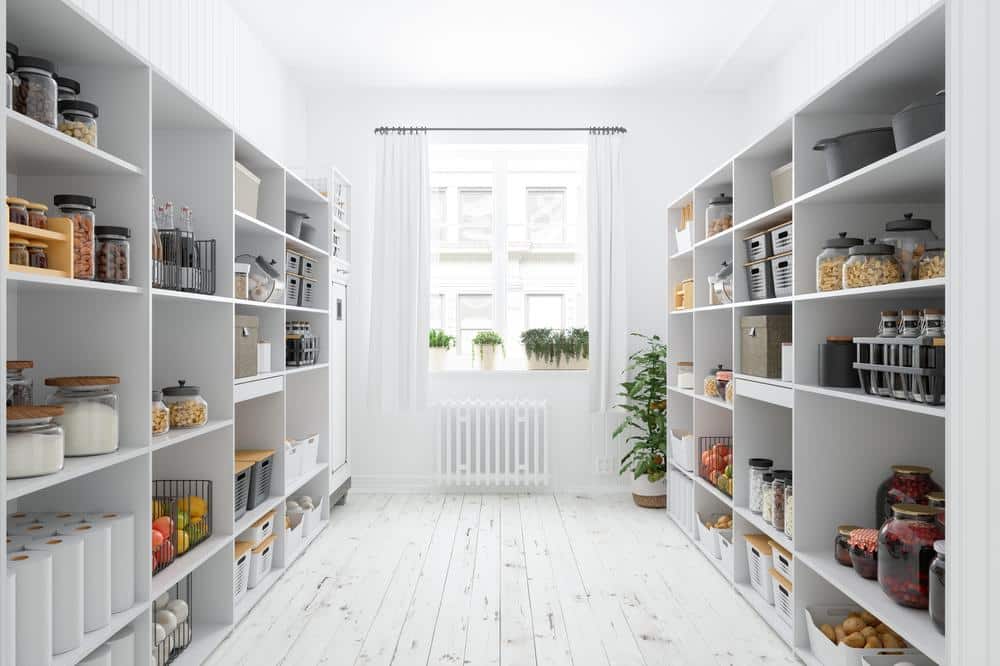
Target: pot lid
{"x": 847, "y": 529}
{"x": 181, "y": 389}
{"x": 873, "y": 247}
{"x": 908, "y": 223}
{"x": 83, "y": 381}
{"x": 721, "y": 199}
{"x": 761, "y": 462}
{"x": 934, "y": 245}
{"x": 268, "y": 267}
{"x": 78, "y": 105}
{"x": 823, "y": 143}
{"x": 842, "y": 241}
{"x": 725, "y": 271}
{"x": 68, "y": 83}
{"x": 937, "y": 100}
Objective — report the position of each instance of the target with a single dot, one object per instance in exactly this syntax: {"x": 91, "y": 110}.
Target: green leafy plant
{"x": 645, "y": 407}
{"x": 556, "y": 345}
{"x": 488, "y": 338}
{"x": 441, "y": 340}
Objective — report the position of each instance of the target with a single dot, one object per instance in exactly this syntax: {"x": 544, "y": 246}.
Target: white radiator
{"x": 493, "y": 443}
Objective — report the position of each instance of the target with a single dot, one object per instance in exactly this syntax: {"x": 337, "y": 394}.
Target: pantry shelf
{"x": 758, "y": 522}
{"x": 255, "y": 514}
{"x": 682, "y": 391}
{"x": 683, "y": 471}
{"x": 242, "y": 302}
{"x": 766, "y": 220}
{"x": 252, "y": 596}
{"x": 178, "y": 435}
{"x": 298, "y": 190}
{"x": 778, "y": 300}
{"x": 94, "y": 639}
{"x": 712, "y": 490}
{"x": 766, "y": 611}
{"x": 306, "y": 368}
{"x": 296, "y": 484}
{"x": 931, "y": 288}
{"x": 188, "y": 562}
{"x": 31, "y": 280}
{"x": 190, "y": 296}
{"x": 858, "y": 395}
{"x": 72, "y": 469}
{"x": 300, "y": 308}
{"x": 716, "y": 562}
{"x": 714, "y": 401}
{"x": 305, "y": 546}
{"x": 203, "y": 643}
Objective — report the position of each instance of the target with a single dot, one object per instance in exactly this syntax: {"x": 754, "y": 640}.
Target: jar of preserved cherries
{"x": 864, "y": 553}
{"x": 841, "y": 544}
{"x": 936, "y": 596}
{"x": 909, "y": 484}
{"x": 905, "y": 551}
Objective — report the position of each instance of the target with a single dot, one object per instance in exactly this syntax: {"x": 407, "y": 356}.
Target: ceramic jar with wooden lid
{"x": 90, "y": 418}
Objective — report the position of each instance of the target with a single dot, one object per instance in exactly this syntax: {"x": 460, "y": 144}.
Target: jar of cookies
{"x": 871, "y": 265}
{"x": 830, "y": 262}
{"x": 932, "y": 262}
{"x": 112, "y": 253}
{"x": 187, "y": 408}
{"x": 79, "y": 208}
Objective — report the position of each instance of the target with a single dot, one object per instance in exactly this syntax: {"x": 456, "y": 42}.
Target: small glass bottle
{"x": 936, "y": 589}
{"x": 20, "y": 389}
{"x": 909, "y": 324}
{"x": 781, "y": 478}
{"x": 37, "y": 215}
{"x": 842, "y": 544}
{"x": 18, "y": 252}
{"x": 17, "y": 210}
{"x": 113, "y": 253}
{"x": 766, "y": 504}
{"x": 157, "y": 246}
{"x": 38, "y": 256}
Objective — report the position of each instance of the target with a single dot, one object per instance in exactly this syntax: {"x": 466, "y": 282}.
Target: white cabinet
{"x": 338, "y": 376}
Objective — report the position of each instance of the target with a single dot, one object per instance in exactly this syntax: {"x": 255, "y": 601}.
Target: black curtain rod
{"x": 415, "y": 130}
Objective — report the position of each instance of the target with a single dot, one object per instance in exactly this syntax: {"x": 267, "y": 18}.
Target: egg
{"x": 305, "y": 499}
{"x": 292, "y": 505}
{"x": 162, "y": 601}
{"x": 167, "y": 620}
{"x": 159, "y": 634}
{"x": 179, "y": 608}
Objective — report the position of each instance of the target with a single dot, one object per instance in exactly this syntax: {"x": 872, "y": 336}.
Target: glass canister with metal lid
{"x": 830, "y": 261}
{"x": 720, "y": 285}
{"x": 35, "y": 442}
{"x": 90, "y": 413}
{"x": 905, "y": 551}
{"x": 188, "y": 409}
{"x": 909, "y": 236}
{"x": 718, "y": 215}
{"x": 932, "y": 263}
{"x": 871, "y": 265}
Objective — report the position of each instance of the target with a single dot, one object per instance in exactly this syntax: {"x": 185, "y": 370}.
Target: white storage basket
{"x": 759, "y": 564}
{"x": 759, "y": 282}
{"x": 726, "y": 550}
{"x": 758, "y": 246}
{"x": 260, "y": 530}
{"x": 829, "y": 654}
{"x": 683, "y": 237}
{"x": 312, "y": 519}
{"x": 293, "y": 262}
{"x": 247, "y": 187}
{"x": 781, "y": 238}
{"x": 782, "y": 274}
{"x": 709, "y": 539}
{"x": 782, "y": 560}
{"x": 293, "y": 462}
{"x": 310, "y": 269}
{"x": 293, "y": 541}
{"x": 682, "y": 449}
{"x": 261, "y": 559}
{"x": 241, "y": 569}
{"x": 293, "y": 287}
{"x": 310, "y": 451}
{"x": 781, "y": 590}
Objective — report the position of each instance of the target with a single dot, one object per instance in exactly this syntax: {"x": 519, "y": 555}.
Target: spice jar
{"x": 781, "y": 478}
{"x": 112, "y": 245}
{"x": 90, "y": 417}
{"x": 38, "y": 254}
{"x": 766, "y": 496}
{"x": 830, "y": 262}
{"x": 718, "y": 215}
{"x": 932, "y": 264}
{"x": 79, "y": 208}
{"x": 935, "y": 589}
{"x": 842, "y": 545}
{"x": 723, "y": 379}
{"x": 37, "y": 215}
{"x": 20, "y": 389}
{"x": 685, "y": 375}
{"x": 66, "y": 88}
{"x": 932, "y": 322}
{"x": 789, "y": 510}
{"x": 78, "y": 119}
{"x": 758, "y": 468}
{"x": 160, "y": 414}
{"x": 711, "y": 384}
{"x": 864, "y": 552}
{"x": 909, "y": 236}
{"x": 905, "y": 551}
{"x": 871, "y": 265}
{"x": 17, "y": 210}
{"x": 11, "y": 55}
{"x": 35, "y": 443}
{"x": 888, "y": 325}
{"x": 909, "y": 323}
{"x": 18, "y": 251}
{"x": 187, "y": 408}
{"x": 36, "y": 93}
{"x": 909, "y": 484}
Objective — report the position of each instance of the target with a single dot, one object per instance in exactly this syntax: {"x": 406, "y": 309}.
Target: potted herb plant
{"x": 645, "y": 407}
{"x": 440, "y": 343}
{"x": 486, "y": 343}
{"x": 549, "y": 349}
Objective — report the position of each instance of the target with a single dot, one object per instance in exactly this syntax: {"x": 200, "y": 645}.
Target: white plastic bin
{"x": 683, "y": 236}
{"x": 781, "y": 559}
{"x": 787, "y": 362}
{"x": 781, "y": 184}
{"x": 759, "y": 564}
{"x": 293, "y": 541}
{"x": 781, "y": 590}
{"x": 241, "y": 569}
{"x": 682, "y": 449}
{"x": 829, "y": 654}
{"x": 261, "y": 559}
{"x": 247, "y": 189}
{"x": 293, "y": 462}
{"x": 262, "y": 529}
{"x": 726, "y": 550}
{"x": 709, "y": 538}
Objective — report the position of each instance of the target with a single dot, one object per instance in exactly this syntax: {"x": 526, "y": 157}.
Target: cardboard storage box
{"x": 247, "y": 337}
{"x": 761, "y": 337}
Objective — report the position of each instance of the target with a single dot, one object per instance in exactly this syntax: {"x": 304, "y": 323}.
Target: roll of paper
{"x": 122, "y": 557}
{"x": 57, "y": 518}
{"x": 33, "y": 609}
{"x": 21, "y": 518}
{"x": 97, "y": 572}
{"x": 16, "y": 543}
{"x": 99, "y": 657}
{"x": 67, "y": 589}
{"x": 33, "y": 530}
{"x": 10, "y": 631}
{"x": 122, "y": 647}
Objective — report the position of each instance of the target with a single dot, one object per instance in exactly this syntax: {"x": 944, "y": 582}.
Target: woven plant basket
{"x": 650, "y": 501}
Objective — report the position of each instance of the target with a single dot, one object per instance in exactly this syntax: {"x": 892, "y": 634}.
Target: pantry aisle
{"x": 501, "y": 579}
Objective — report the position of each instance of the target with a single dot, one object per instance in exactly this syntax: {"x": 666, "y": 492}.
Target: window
{"x": 544, "y": 311}
{"x": 475, "y": 314}
{"x": 546, "y": 214}
{"x": 436, "y": 318}
{"x": 439, "y": 213}
{"x": 475, "y": 222}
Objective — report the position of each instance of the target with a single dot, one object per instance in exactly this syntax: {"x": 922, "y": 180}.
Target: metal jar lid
{"x": 908, "y": 223}
{"x": 75, "y": 200}
{"x": 842, "y": 241}
{"x": 846, "y": 530}
{"x": 181, "y": 389}
{"x": 873, "y": 247}
{"x": 915, "y": 510}
{"x": 761, "y": 463}
{"x": 721, "y": 199}
{"x": 78, "y": 105}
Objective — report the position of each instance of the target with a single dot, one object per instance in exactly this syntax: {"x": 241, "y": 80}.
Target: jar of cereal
{"x": 187, "y": 408}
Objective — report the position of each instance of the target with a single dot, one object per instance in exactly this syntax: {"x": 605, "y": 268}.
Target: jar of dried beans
{"x": 905, "y": 551}
{"x": 79, "y": 208}
{"x": 864, "y": 552}
{"x": 782, "y": 478}
{"x": 842, "y": 545}
{"x": 17, "y": 210}
{"x": 37, "y": 215}
{"x": 909, "y": 484}
{"x": 112, "y": 253}
{"x": 38, "y": 254}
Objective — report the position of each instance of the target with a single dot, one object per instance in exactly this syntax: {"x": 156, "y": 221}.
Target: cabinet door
{"x": 338, "y": 377}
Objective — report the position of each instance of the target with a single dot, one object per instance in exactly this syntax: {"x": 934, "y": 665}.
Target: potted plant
{"x": 549, "y": 349}
{"x": 645, "y": 423}
{"x": 440, "y": 343}
{"x": 487, "y": 342}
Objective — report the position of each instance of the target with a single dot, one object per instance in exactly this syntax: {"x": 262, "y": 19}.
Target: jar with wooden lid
{"x": 20, "y": 389}
{"x": 37, "y": 215}
{"x": 932, "y": 322}
{"x": 17, "y": 210}
{"x": 35, "y": 441}
{"x": 38, "y": 254}
{"x": 90, "y": 417}
{"x": 685, "y": 375}
{"x": 871, "y": 265}
{"x": 842, "y": 545}
{"x": 187, "y": 408}
{"x": 18, "y": 251}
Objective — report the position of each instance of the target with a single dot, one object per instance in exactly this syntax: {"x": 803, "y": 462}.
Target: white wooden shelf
{"x": 291, "y": 372}
{"x": 766, "y": 611}
{"x": 252, "y": 596}
{"x": 44, "y": 281}
{"x": 777, "y": 300}
{"x": 766, "y": 220}
{"x": 932, "y": 288}
{"x": 308, "y": 542}
{"x": 189, "y": 561}
{"x": 683, "y": 391}
{"x": 95, "y": 639}
{"x": 178, "y": 435}
{"x": 858, "y": 395}
{"x": 712, "y": 490}
{"x": 259, "y": 305}
{"x": 683, "y": 471}
{"x": 257, "y": 378}
{"x": 306, "y": 310}
{"x": 759, "y": 523}
{"x": 298, "y": 190}
{"x": 296, "y": 484}
{"x": 204, "y": 640}
{"x": 250, "y": 517}
{"x": 717, "y": 563}
{"x": 249, "y": 224}
{"x": 72, "y": 469}
{"x": 189, "y": 296}
{"x": 717, "y": 402}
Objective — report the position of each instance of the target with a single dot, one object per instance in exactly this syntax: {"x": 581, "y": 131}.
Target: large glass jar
{"x": 67, "y": 88}
{"x": 34, "y": 442}
{"x": 17, "y": 210}
{"x": 112, "y": 253}
{"x": 871, "y": 265}
{"x": 79, "y": 208}
{"x": 37, "y": 215}
{"x": 37, "y": 93}
{"x": 38, "y": 254}
{"x": 935, "y": 590}
{"x": 909, "y": 484}
{"x": 842, "y": 545}
{"x": 18, "y": 251}
{"x": 11, "y": 55}
{"x": 781, "y": 478}
{"x": 711, "y": 384}
{"x": 909, "y": 236}
{"x": 90, "y": 413}
{"x": 160, "y": 414}
{"x": 864, "y": 552}
{"x": 20, "y": 389}
{"x": 78, "y": 119}
{"x": 932, "y": 263}
{"x": 830, "y": 261}
{"x": 187, "y": 408}
{"x": 905, "y": 551}
{"x": 718, "y": 215}
{"x": 685, "y": 375}
{"x": 766, "y": 496}
{"x": 789, "y": 510}
{"x": 758, "y": 468}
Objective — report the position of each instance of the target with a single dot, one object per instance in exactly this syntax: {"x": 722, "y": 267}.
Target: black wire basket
{"x": 188, "y": 264}
{"x": 911, "y": 369}
{"x": 180, "y": 605}
{"x": 184, "y": 510}
{"x": 301, "y": 350}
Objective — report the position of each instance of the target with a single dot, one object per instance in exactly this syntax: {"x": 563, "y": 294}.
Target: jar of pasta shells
{"x": 187, "y": 408}
{"x": 830, "y": 262}
{"x": 160, "y": 414}
{"x": 932, "y": 262}
{"x": 871, "y": 265}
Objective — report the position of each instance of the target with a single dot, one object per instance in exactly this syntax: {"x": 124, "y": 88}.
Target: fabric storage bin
{"x": 726, "y": 550}
{"x": 247, "y": 187}
{"x": 759, "y": 564}
{"x": 830, "y": 654}
{"x": 244, "y": 469}
{"x": 782, "y": 275}
{"x": 293, "y": 286}
{"x": 761, "y": 337}
{"x": 709, "y": 538}
{"x": 262, "y": 529}
{"x": 293, "y": 462}
{"x": 261, "y": 559}
{"x": 781, "y": 238}
{"x": 308, "y": 295}
{"x": 241, "y": 569}
{"x": 781, "y": 590}
{"x": 247, "y": 332}
{"x": 293, "y": 262}
{"x": 758, "y": 246}
{"x": 781, "y": 184}
{"x": 781, "y": 559}
{"x": 310, "y": 268}
{"x": 759, "y": 282}
{"x": 260, "y": 476}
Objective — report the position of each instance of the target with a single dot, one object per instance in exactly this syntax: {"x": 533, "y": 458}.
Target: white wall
{"x": 672, "y": 141}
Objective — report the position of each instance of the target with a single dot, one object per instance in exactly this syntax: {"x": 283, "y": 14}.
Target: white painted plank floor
{"x": 514, "y": 580}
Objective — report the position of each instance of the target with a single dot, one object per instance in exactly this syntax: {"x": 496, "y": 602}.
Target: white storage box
{"x": 781, "y": 590}
{"x": 262, "y": 529}
{"x": 759, "y": 564}
{"x": 787, "y": 362}
{"x": 895, "y": 659}
{"x": 241, "y": 569}
{"x": 261, "y": 559}
{"x": 263, "y": 357}
{"x": 758, "y": 246}
{"x": 293, "y": 540}
{"x": 781, "y": 559}
{"x": 309, "y": 446}
{"x": 781, "y": 184}
{"x": 247, "y": 188}
{"x": 830, "y": 654}
{"x": 313, "y": 518}
{"x": 293, "y": 262}
{"x": 293, "y": 462}
{"x": 309, "y": 267}
{"x": 726, "y": 550}
{"x": 709, "y": 538}
{"x": 682, "y": 449}
{"x": 683, "y": 236}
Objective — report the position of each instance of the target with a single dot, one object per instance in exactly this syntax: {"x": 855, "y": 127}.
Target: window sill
{"x": 477, "y": 371}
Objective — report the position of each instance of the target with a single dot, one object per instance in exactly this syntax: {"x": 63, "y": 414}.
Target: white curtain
{"x": 606, "y": 258}
{"x": 397, "y": 354}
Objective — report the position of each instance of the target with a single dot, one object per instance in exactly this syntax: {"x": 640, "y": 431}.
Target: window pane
{"x": 546, "y": 215}
{"x": 475, "y": 215}
{"x": 437, "y": 311}
{"x": 439, "y": 214}
{"x": 475, "y": 313}
{"x": 544, "y": 311}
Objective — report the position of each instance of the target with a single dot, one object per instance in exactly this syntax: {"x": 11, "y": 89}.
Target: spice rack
{"x": 59, "y": 238}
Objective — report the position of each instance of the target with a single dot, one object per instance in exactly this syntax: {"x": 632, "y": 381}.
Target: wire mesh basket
{"x": 910, "y": 369}
{"x": 168, "y": 645}
{"x": 184, "y": 511}
{"x": 716, "y": 460}
{"x": 188, "y": 264}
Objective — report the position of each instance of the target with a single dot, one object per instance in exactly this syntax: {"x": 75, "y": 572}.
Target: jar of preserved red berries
{"x": 905, "y": 551}
{"x": 936, "y": 590}
{"x": 841, "y": 544}
{"x": 909, "y": 484}
{"x": 936, "y": 499}
{"x": 864, "y": 552}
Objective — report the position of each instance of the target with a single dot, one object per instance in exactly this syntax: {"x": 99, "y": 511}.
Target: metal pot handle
{"x": 822, "y": 144}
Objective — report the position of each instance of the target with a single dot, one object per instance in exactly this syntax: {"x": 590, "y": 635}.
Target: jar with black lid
{"x": 79, "y": 208}
{"x": 871, "y": 265}
{"x": 830, "y": 262}
{"x": 37, "y": 93}
{"x": 758, "y": 468}
{"x": 67, "y": 88}
{"x": 78, "y": 119}
{"x": 909, "y": 236}
{"x": 113, "y": 255}
{"x": 782, "y": 477}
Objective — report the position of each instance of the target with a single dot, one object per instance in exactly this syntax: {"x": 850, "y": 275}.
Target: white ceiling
{"x": 524, "y": 44}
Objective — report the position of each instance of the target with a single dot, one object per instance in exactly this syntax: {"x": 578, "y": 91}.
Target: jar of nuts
{"x": 79, "y": 208}
{"x": 870, "y": 265}
{"x": 78, "y": 119}
{"x": 830, "y": 262}
{"x": 161, "y": 414}
{"x": 112, "y": 253}
{"x": 37, "y": 215}
{"x": 187, "y": 408}
{"x": 37, "y": 92}
{"x": 932, "y": 262}
{"x": 910, "y": 237}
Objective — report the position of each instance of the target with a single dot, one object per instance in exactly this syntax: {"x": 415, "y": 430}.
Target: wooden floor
{"x": 513, "y": 580}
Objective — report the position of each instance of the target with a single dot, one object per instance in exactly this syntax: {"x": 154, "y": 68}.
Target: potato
{"x": 853, "y": 625}
{"x": 854, "y": 614}
{"x": 855, "y": 640}
{"x": 889, "y": 641}
{"x": 870, "y": 619}
{"x": 828, "y": 632}
{"x": 882, "y": 628}
{"x": 868, "y": 632}
{"x": 840, "y": 633}
{"x": 873, "y": 642}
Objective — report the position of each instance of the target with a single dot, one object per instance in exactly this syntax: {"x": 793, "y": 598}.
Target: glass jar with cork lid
{"x": 90, "y": 413}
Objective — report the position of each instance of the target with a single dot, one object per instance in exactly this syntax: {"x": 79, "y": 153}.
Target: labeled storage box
{"x": 761, "y": 337}
{"x": 244, "y": 468}
{"x": 781, "y": 184}
{"x": 830, "y": 654}
{"x": 781, "y": 238}
{"x": 247, "y": 188}
{"x": 247, "y": 336}
{"x": 260, "y": 530}
{"x": 308, "y": 294}
{"x": 241, "y": 569}
{"x": 782, "y": 275}
{"x": 261, "y": 559}
{"x": 260, "y": 476}
{"x": 759, "y": 564}
{"x": 782, "y": 559}
{"x": 293, "y": 286}
{"x": 781, "y": 590}
{"x": 310, "y": 268}
{"x": 758, "y": 246}
{"x": 293, "y": 262}
{"x": 760, "y": 284}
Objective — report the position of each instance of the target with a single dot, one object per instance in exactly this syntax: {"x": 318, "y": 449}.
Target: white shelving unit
{"x": 839, "y": 443}
{"x": 155, "y": 139}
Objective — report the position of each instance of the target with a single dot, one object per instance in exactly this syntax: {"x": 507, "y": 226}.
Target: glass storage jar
{"x": 781, "y": 478}
{"x": 90, "y": 418}
{"x": 160, "y": 414}
{"x": 758, "y": 468}
{"x": 935, "y": 589}
{"x": 864, "y": 552}
{"x": 157, "y": 246}
{"x": 723, "y": 379}
{"x": 905, "y": 551}
{"x": 17, "y": 210}
{"x": 78, "y": 119}
{"x": 711, "y": 384}
{"x": 830, "y": 261}
{"x": 766, "y": 496}
{"x": 112, "y": 253}
{"x": 932, "y": 263}
{"x": 909, "y": 324}
{"x": 718, "y": 215}
{"x": 67, "y": 88}
{"x": 789, "y": 510}
{"x": 187, "y": 408}
{"x": 37, "y": 215}
{"x": 79, "y": 208}
{"x": 35, "y": 443}
{"x": 842, "y": 544}
{"x": 909, "y": 237}
{"x": 888, "y": 324}
{"x": 18, "y": 252}
{"x": 11, "y": 84}
{"x": 932, "y": 322}
{"x": 871, "y": 265}
{"x": 935, "y": 499}
{"x": 241, "y": 282}
{"x": 20, "y": 389}
{"x": 720, "y": 285}
{"x": 38, "y": 254}
{"x": 909, "y": 484}
{"x": 37, "y": 93}
{"x": 685, "y": 375}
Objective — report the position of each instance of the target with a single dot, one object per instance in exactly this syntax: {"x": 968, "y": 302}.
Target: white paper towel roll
{"x": 16, "y": 543}
{"x": 60, "y": 517}
{"x": 122, "y": 557}
{"x": 10, "y": 631}
{"x": 33, "y": 530}
{"x": 122, "y": 647}
{"x": 20, "y": 518}
{"x": 99, "y": 657}
{"x": 67, "y": 589}
{"x": 33, "y": 634}
{"x": 97, "y": 572}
